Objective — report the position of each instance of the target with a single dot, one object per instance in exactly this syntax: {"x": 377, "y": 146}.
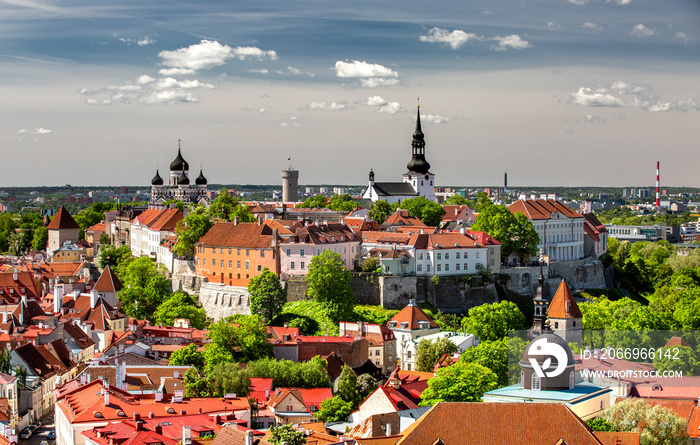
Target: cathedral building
{"x": 179, "y": 186}
{"x": 417, "y": 181}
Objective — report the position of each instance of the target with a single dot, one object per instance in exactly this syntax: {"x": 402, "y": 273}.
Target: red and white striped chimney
{"x": 658, "y": 198}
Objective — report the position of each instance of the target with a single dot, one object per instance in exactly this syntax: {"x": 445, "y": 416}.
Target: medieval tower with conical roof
{"x": 179, "y": 186}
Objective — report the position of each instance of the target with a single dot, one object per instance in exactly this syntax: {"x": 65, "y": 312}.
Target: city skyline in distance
{"x": 569, "y": 93}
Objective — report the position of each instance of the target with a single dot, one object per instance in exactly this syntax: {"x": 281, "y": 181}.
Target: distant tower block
{"x": 290, "y": 185}
{"x": 505, "y": 181}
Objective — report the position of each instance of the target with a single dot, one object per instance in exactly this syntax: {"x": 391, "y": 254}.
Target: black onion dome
{"x": 201, "y": 180}
{"x": 157, "y": 180}
{"x": 183, "y": 180}
{"x": 179, "y": 164}
{"x": 418, "y": 163}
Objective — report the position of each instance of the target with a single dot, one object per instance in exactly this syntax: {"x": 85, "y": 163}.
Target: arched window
{"x": 535, "y": 382}
{"x": 522, "y": 377}
{"x": 572, "y": 380}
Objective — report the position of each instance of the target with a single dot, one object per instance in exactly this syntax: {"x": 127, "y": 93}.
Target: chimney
{"x": 176, "y": 374}
{"x": 151, "y": 415}
{"x": 388, "y": 428}
{"x": 249, "y": 438}
{"x": 277, "y": 391}
{"x": 57, "y": 298}
{"x": 137, "y": 417}
{"x": 235, "y": 220}
{"x": 186, "y": 435}
{"x": 286, "y": 324}
{"x": 4, "y": 317}
{"x": 94, "y": 295}
{"x": 158, "y": 429}
{"x": 183, "y": 412}
{"x": 15, "y": 277}
{"x": 139, "y": 425}
{"x": 267, "y": 394}
{"x": 76, "y": 293}
{"x": 106, "y": 398}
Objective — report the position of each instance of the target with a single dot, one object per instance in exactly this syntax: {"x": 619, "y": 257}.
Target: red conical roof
{"x": 62, "y": 220}
{"x": 563, "y": 304}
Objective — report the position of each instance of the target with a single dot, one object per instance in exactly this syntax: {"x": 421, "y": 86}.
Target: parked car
{"x": 51, "y": 435}
{"x": 26, "y": 433}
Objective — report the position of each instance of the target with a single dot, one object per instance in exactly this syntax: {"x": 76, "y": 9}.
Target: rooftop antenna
{"x": 290, "y": 163}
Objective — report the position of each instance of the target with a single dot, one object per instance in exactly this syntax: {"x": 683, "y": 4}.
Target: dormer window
{"x": 404, "y": 325}
{"x": 392, "y": 324}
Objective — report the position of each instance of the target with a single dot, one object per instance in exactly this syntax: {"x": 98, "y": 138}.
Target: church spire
{"x": 418, "y": 164}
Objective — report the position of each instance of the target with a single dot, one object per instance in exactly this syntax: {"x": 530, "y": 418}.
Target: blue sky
{"x": 578, "y": 92}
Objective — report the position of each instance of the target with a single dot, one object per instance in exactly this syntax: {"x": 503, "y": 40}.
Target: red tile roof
{"x": 243, "y": 235}
{"x": 615, "y": 438}
{"x": 563, "y": 304}
{"x": 412, "y": 314}
{"x": 62, "y": 220}
{"x": 542, "y": 208}
{"x": 402, "y": 218}
{"x": 497, "y": 424}
{"x": 108, "y": 281}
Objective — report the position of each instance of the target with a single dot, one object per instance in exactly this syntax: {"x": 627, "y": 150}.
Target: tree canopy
{"x": 267, "y": 296}
{"x": 329, "y": 284}
{"x": 430, "y": 351}
{"x": 380, "y": 211}
{"x": 657, "y": 425}
{"x": 513, "y": 231}
{"x": 429, "y": 212}
{"x": 493, "y": 321}
{"x": 181, "y": 305}
{"x": 461, "y": 382}
{"x": 242, "y": 341}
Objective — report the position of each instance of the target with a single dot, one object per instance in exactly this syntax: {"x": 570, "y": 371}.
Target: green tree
{"x": 677, "y": 358}
{"x": 285, "y": 373}
{"x": 430, "y": 351}
{"x": 228, "y": 378}
{"x": 5, "y": 365}
{"x": 329, "y": 284}
{"x": 461, "y": 382}
{"x": 370, "y": 265}
{"x": 366, "y": 384}
{"x": 227, "y": 207}
{"x": 267, "y": 296}
{"x": 493, "y": 321}
{"x": 114, "y": 256}
{"x": 104, "y": 239}
{"x": 515, "y": 233}
{"x": 187, "y": 356}
{"x": 40, "y": 238}
{"x": 196, "y": 385}
{"x": 314, "y": 202}
{"x": 657, "y": 425}
{"x": 347, "y": 387}
{"x": 181, "y": 305}
{"x": 190, "y": 230}
{"x": 21, "y": 375}
{"x": 380, "y": 211}
{"x": 243, "y": 341}
{"x": 492, "y": 355}
{"x": 599, "y": 424}
{"x": 341, "y": 203}
{"x": 334, "y": 410}
{"x": 286, "y": 434}
{"x": 430, "y": 212}
{"x": 456, "y": 200}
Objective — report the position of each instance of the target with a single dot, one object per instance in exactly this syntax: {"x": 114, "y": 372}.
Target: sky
{"x": 555, "y": 93}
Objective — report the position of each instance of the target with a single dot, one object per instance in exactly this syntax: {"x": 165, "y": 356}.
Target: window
{"x": 447, "y": 255}
{"x": 457, "y": 255}
{"x": 238, "y": 264}
{"x": 204, "y": 262}
{"x": 247, "y": 265}
{"x": 447, "y": 267}
{"x": 289, "y": 252}
{"x": 457, "y": 266}
{"x": 247, "y": 252}
{"x": 222, "y": 250}
{"x": 291, "y": 265}
{"x": 408, "y": 355}
{"x": 213, "y": 262}
{"x": 466, "y": 255}
{"x": 420, "y": 256}
{"x": 303, "y": 265}
{"x": 556, "y": 325}
{"x": 222, "y": 264}
{"x": 259, "y": 268}
{"x": 439, "y": 256}
{"x": 466, "y": 266}
{"x": 572, "y": 381}
{"x": 535, "y": 382}
{"x": 439, "y": 267}
{"x": 419, "y": 268}
{"x": 301, "y": 252}
{"x": 427, "y": 269}
{"x": 230, "y": 251}
{"x": 477, "y": 254}
{"x": 238, "y": 251}
{"x": 262, "y": 253}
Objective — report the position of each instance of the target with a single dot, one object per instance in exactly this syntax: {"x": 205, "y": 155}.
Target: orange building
{"x": 233, "y": 253}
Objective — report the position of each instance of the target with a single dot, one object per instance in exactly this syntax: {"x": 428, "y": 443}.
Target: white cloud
{"x": 391, "y": 108}
{"x": 374, "y": 101}
{"x": 589, "y": 98}
{"x": 258, "y": 71}
{"x": 327, "y": 106}
{"x": 293, "y": 121}
{"x": 145, "y": 79}
{"x": 208, "y": 54}
{"x": 619, "y": 2}
{"x": 23, "y": 131}
{"x": 375, "y": 82}
{"x": 455, "y": 38}
{"x": 434, "y": 119}
{"x": 579, "y": 2}
{"x": 513, "y": 41}
{"x": 262, "y": 111}
{"x": 176, "y": 72}
{"x": 681, "y": 105}
{"x": 357, "y": 69}
{"x": 552, "y": 25}
{"x": 628, "y": 88}
{"x": 294, "y": 72}
{"x": 168, "y": 97}
{"x": 146, "y": 41}
{"x": 680, "y": 35}
{"x": 42, "y": 131}
{"x": 642, "y": 31}
{"x": 592, "y": 118}
{"x": 593, "y": 26}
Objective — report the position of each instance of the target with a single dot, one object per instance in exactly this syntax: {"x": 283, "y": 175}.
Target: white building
{"x": 410, "y": 324}
{"x": 560, "y": 228}
{"x": 410, "y": 349}
{"x": 417, "y": 181}
{"x": 150, "y": 230}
